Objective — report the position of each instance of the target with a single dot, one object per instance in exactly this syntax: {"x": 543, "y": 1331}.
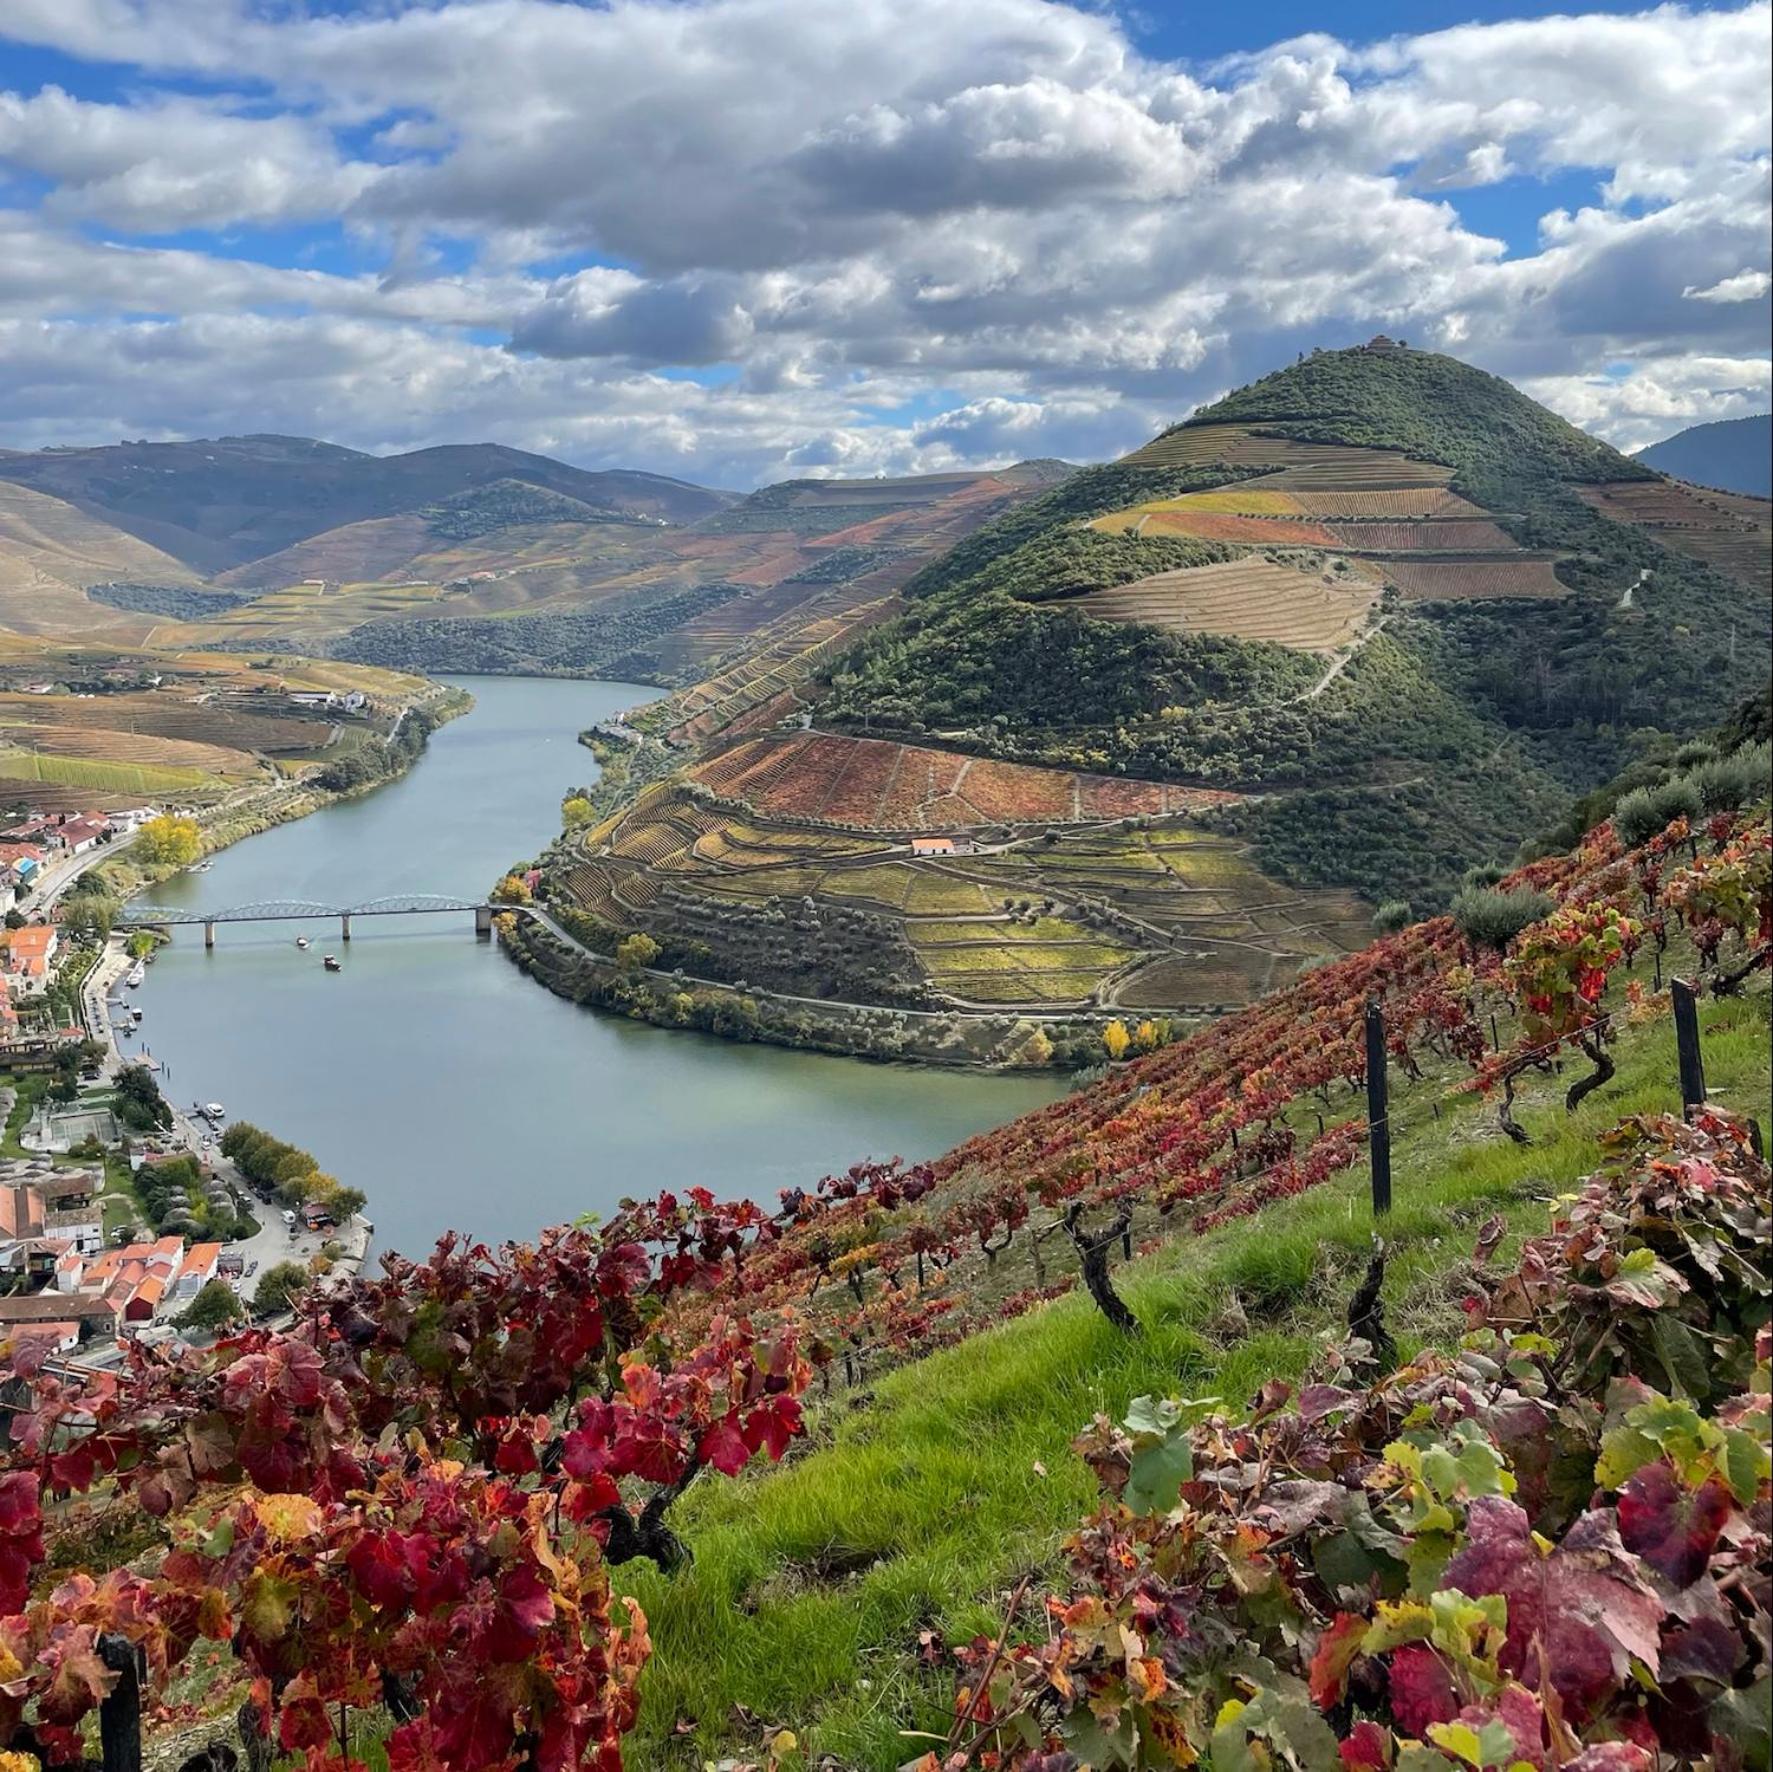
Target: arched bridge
{"x": 302, "y": 910}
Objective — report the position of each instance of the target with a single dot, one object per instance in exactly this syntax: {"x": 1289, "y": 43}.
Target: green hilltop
{"x": 1431, "y": 406}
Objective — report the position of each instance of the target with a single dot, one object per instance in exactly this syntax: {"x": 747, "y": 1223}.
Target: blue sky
{"x": 733, "y": 239}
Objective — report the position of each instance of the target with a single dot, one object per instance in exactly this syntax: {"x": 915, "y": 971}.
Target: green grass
{"x": 932, "y": 1494}
{"x": 83, "y": 772}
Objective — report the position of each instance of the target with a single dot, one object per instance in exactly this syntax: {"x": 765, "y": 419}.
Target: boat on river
{"x": 302, "y": 942}
{"x": 214, "y": 1111}
{"x": 136, "y": 974}
{"x": 331, "y": 963}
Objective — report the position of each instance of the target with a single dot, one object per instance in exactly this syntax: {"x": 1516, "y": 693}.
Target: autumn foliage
{"x": 411, "y": 1499}
{"x": 1550, "y": 1549}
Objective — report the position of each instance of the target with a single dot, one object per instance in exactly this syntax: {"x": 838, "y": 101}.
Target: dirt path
{"x": 1340, "y": 665}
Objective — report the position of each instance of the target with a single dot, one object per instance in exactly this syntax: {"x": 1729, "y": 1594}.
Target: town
{"x": 121, "y": 1216}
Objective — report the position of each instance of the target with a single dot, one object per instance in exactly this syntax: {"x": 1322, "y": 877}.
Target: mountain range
{"x": 1732, "y": 455}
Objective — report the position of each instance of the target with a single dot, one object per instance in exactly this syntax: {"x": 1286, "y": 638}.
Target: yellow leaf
{"x": 1229, "y": 1712}
{"x": 286, "y": 1518}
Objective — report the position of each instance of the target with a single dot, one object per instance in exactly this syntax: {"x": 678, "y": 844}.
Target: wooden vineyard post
{"x": 1692, "y": 1062}
{"x": 1378, "y": 1122}
{"x": 120, "y": 1715}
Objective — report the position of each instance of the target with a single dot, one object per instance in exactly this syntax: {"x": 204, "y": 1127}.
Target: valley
{"x": 976, "y": 762}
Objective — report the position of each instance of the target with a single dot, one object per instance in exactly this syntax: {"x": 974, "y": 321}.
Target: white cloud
{"x": 847, "y": 218}
{"x": 1744, "y": 286}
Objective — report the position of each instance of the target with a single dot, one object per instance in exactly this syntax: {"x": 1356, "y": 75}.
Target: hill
{"x": 915, "y": 1351}
{"x": 1732, "y": 455}
{"x": 1497, "y": 640}
{"x": 219, "y": 503}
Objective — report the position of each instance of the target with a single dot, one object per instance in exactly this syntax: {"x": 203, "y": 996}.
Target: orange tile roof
{"x": 34, "y": 938}
{"x": 203, "y": 1255}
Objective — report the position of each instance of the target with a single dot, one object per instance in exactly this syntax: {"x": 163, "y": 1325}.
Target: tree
{"x": 139, "y": 1100}
{"x": 277, "y": 1285}
{"x": 216, "y": 1304}
{"x": 512, "y": 890}
{"x": 576, "y": 812}
{"x": 1489, "y": 918}
{"x": 1116, "y": 1040}
{"x": 90, "y": 913}
{"x": 636, "y": 951}
{"x": 169, "y": 841}
{"x": 347, "y": 1202}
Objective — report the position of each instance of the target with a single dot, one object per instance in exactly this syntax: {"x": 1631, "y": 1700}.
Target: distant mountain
{"x": 219, "y": 503}
{"x": 1734, "y": 455}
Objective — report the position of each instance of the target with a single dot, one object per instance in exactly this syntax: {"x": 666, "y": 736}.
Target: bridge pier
{"x": 483, "y": 917}
{"x": 209, "y": 935}
{"x": 345, "y": 926}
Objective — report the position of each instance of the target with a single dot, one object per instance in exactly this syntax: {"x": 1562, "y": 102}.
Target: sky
{"x": 740, "y": 240}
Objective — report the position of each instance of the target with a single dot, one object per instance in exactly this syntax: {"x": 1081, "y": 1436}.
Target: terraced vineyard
{"x": 1313, "y": 609}
{"x": 1067, "y": 909}
{"x": 1728, "y": 530}
{"x": 1305, "y": 466}
{"x": 1432, "y": 536}
{"x": 212, "y": 724}
{"x": 1479, "y": 578}
{"x": 1373, "y": 505}
{"x": 871, "y": 784}
{"x": 1174, "y": 518}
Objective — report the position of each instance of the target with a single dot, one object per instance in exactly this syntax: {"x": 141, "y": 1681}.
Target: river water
{"x": 454, "y": 1091}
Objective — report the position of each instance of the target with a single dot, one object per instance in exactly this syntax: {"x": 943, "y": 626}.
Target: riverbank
{"x": 543, "y": 950}
{"x": 277, "y": 803}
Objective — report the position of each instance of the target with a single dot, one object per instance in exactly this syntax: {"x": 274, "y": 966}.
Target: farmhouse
{"x": 29, "y": 951}
{"x": 80, "y": 834}
{"x": 197, "y": 1270}
{"x": 19, "y": 863}
{"x": 932, "y": 846}
{"x": 41, "y": 1204}
{"x": 134, "y": 1283}
{"x": 350, "y": 702}
{"x": 131, "y": 818}
{"x": 36, "y": 1310}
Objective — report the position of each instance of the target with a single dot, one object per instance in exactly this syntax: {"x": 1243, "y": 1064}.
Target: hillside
{"x": 122, "y": 724}
{"x": 1732, "y": 455}
{"x": 915, "y": 1350}
{"x": 768, "y": 584}
{"x": 1450, "y": 546}
{"x": 220, "y": 503}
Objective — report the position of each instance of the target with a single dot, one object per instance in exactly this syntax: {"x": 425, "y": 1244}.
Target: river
{"x": 454, "y": 1091}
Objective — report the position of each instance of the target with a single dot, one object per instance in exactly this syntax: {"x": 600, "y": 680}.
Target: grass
{"x": 30, "y": 1087}
{"x": 83, "y": 772}
{"x": 918, "y": 1506}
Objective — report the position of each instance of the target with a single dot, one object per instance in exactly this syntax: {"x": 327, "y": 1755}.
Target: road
{"x": 59, "y": 876}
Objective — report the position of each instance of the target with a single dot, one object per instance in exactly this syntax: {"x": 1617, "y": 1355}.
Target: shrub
{"x": 1649, "y": 812}
{"x": 1519, "y": 1556}
{"x": 1392, "y": 916}
{"x": 1491, "y": 919}
{"x": 1724, "y": 784}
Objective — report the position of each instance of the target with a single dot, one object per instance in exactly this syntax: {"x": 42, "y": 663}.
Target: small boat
{"x": 135, "y": 1016}
{"x": 331, "y": 963}
{"x": 214, "y": 1111}
{"x": 302, "y": 942}
{"x": 136, "y": 974}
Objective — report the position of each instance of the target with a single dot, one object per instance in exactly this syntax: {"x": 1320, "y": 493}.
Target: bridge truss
{"x": 293, "y": 910}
